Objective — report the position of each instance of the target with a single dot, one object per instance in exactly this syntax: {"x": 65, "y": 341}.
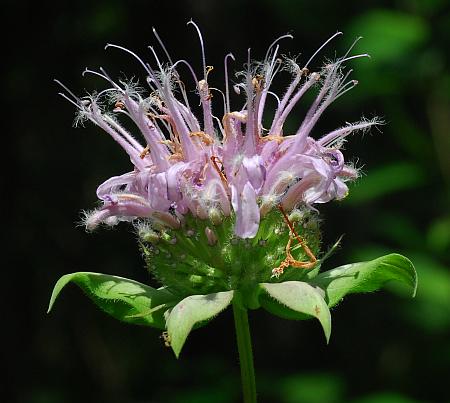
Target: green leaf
{"x": 299, "y": 297}
{"x": 192, "y": 310}
{"x": 365, "y": 277}
{"x": 124, "y": 299}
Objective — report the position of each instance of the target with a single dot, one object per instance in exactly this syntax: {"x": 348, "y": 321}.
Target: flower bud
{"x": 296, "y": 216}
{"x": 150, "y": 236}
{"x": 211, "y": 236}
{"x": 196, "y": 279}
{"x": 215, "y": 216}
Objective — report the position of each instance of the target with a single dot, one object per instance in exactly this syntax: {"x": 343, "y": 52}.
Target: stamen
{"x": 152, "y": 79}
{"x": 155, "y": 115}
{"x": 189, "y": 67}
{"x": 345, "y": 85}
{"x": 275, "y": 137}
{"x": 108, "y": 78}
{"x": 351, "y": 84}
{"x": 223, "y": 97}
{"x": 205, "y": 138}
{"x": 181, "y": 84}
{"x": 145, "y": 65}
{"x": 346, "y": 59}
{"x": 346, "y": 76}
{"x": 219, "y": 123}
{"x": 182, "y": 87}
{"x": 227, "y": 92}
{"x": 67, "y": 89}
{"x": 276, "y": 97}
{"x": 105, "y": 91}
{"x": 162, "y": 45}
{"x": 145, "y": 152}
{"x": 321, "y": 47}
{"x": 156, "y": 57}
{"x": 352, "y": 46}
{"x": 275, "y": 42}
{"x": 71, "y": 101}
{"x": 205, "y": 74}
{"x": 118, "y": 106}
{"x": 208, "y": 125}
{"x": 272, "y": 73}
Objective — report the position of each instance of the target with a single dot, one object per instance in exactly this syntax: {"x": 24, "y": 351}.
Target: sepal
{"x": 191, "y": 311}
{"x": 296, "y": 300}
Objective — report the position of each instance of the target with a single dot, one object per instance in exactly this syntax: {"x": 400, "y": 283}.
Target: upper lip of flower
{"x": 185, "y": 167}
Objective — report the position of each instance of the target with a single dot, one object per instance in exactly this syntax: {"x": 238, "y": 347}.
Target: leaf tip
{"x": 326, "y": 325}
{"x": 50, "y": 303}
{"x": 414, "y": 292}
{"x": 328, "y": 336}
{"x": 56, "y": 290}
{"x": 416, "y": 282}
{"x": 412, "y": 270}
{"x": 175, "y": 345}
{"x": 176, "y": 352}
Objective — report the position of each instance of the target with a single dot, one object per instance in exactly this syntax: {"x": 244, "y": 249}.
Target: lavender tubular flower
{"x": 234, "y": 167}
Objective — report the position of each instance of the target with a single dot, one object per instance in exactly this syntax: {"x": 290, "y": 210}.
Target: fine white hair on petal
{"x": 339, "y": 134}
{"x": 91, "y": 219}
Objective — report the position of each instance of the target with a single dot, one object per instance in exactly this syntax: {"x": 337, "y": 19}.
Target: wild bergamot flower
{"x": 225, "y": 206}
{"x": 212, "y": 196}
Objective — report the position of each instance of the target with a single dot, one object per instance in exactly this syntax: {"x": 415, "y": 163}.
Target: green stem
{"x": 244, "y": 343}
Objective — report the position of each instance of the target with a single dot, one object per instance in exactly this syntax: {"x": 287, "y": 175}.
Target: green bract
{"x": 202, "y": 274}
{"x": 202, "y": 258}
{"x": 124, "y": 299}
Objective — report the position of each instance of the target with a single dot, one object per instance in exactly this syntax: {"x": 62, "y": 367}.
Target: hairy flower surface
{"x": 198, "y": 187}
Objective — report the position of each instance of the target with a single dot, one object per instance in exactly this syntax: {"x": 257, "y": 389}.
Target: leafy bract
{"x": 365, "y": 277}
{"x": 192, "y": 310}
{"x": 297, "y": 300}
{"x": 124, "y": 299}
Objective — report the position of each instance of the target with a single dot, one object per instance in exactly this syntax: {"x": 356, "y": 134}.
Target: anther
{"x": 119, "y": 105}
{"x": 205, "y": 138}
{"x": 145, "y": 152}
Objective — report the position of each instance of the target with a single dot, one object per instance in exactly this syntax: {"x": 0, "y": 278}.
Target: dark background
{"x": 385, "y": 347}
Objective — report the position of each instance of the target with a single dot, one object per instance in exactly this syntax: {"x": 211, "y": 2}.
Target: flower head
{"x": 224, "y": 179}
{"x": 224, "y": 207}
